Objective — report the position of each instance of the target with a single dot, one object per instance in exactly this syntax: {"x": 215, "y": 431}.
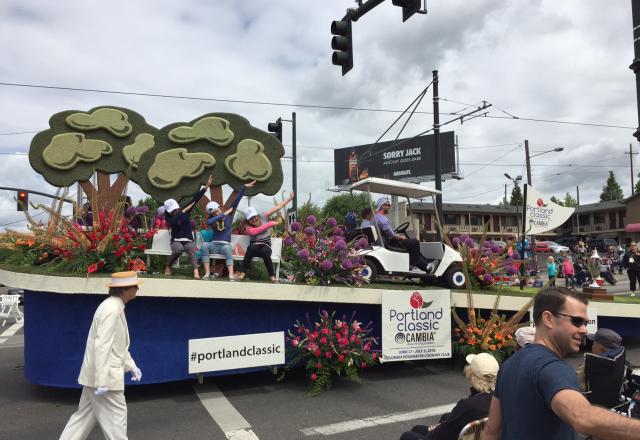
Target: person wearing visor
{"x": 411, "y": 245}
{"x": 106, "y": 360}
{"x": 221, "y": 224}
{"x": 182, "y": 239}
{"x": 258, "y": 226}
{"x": 537, "y": 394}
{"x": 481, "y": 372}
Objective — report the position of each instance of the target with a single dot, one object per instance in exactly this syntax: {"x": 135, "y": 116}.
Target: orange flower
{"x": 499, "y": 346}
{"x": 492, "y": 347}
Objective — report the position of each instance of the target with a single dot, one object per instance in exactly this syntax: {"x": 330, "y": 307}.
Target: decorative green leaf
{"x": 110, "y": 119}
{"x": 66, "y": 150}
{"x": 171, "y": 166}
{"x": 249, "y": 162}
{"x": 132, "y": 152}
{"x": 212, "y": 129}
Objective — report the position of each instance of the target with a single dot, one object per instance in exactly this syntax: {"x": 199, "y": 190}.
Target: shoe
{"x": 233, "y": 279}
{"x": 205, "y": 277}
{"x": 215, "y": 275}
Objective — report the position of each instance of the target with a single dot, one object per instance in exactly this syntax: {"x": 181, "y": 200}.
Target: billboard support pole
{"x": 436, "y": 136}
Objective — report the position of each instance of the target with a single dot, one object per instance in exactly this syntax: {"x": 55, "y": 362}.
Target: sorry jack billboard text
{"x": 403, "y": 159}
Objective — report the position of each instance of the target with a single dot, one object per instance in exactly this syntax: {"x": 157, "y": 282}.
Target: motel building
{"x": 618, "y": 220}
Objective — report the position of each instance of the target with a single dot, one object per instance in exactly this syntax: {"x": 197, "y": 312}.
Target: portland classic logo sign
{"x": 416, "y": 325}
{"x": 543, "y": 216}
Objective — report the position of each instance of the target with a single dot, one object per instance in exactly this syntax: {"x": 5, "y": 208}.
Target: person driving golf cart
{"x": 400, "y": 240}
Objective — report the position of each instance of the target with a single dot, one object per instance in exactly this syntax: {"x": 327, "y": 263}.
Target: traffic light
{"x": 276, "y": 128}
{"x": 22, "y": 199}
{"x": 342, "y": 45}
{"x": 409, "y": 7}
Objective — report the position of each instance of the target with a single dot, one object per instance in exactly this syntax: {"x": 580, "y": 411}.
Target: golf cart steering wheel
{"x": 402, "y": 228}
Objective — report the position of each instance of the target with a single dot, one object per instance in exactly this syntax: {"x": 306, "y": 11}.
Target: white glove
{"x": 136, "y": 374}
{"x": 101, "y": 391}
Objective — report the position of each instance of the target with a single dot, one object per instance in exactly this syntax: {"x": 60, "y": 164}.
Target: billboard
{"x": 410, "y": 159}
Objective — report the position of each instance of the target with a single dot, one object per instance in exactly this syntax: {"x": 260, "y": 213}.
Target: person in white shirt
{"x": 106, "y": 359}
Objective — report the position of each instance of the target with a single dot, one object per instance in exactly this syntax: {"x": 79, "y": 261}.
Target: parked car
{"x": 602, "y": 244}
{"x": 570, "y": 242}
{"x": 542, "y": 246}
{"x": 557, "y": 248}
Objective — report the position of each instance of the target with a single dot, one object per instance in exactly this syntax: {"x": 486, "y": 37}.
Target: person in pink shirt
{"x": 569, "y": 273}
{"x": 258, "y": 227}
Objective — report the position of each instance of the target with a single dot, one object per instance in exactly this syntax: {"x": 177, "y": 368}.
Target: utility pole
{"x": 578, "y": 200}
{"x": 505, "y": 194}
{"x": 631, "y": 153}
{"x": 294, "y": 174}
{"x": 635, "y": 65}
{"x": 436, "y": 144}
{"x": 527, "y": 161}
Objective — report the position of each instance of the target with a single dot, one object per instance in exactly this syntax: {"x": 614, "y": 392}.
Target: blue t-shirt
{"x": 527, "y": 382}
{"x": 552, "y": 269}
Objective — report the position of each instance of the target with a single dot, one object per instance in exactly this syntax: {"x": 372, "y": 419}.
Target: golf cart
{"x": 382, "y": 258}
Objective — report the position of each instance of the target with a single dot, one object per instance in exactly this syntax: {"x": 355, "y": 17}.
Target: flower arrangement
{"x": 319, "y": 254}
{"x": 493, "y": 334}
{"x": 331, "y": 346}
{"x": 111, "y": 244}
{"x": 486, "y": 263}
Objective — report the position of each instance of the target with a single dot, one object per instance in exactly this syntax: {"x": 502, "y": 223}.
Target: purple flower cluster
{"x": 316, "y": 252}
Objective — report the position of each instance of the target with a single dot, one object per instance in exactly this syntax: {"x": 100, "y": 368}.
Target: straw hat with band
{"x": 125, "y": 279}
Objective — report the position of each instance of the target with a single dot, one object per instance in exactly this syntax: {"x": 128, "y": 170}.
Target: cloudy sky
{"x": 557, "y": 61}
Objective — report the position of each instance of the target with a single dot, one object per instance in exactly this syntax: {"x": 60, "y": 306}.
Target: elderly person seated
{"x": 481, "y": 373}
{"x": 606, "y": 343}
{"x": 524, "y": 336}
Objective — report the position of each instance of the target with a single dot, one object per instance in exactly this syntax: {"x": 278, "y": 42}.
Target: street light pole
{"x": 528, "y": 161}
{"x": 436, "y": 144}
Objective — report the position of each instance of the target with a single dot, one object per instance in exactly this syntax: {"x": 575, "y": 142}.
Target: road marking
{"x": 234, "y": 426}
{"x": 11, "y": 331}
{"x": 352, "y": 425}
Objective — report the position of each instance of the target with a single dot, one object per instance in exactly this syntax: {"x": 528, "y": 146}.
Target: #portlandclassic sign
{"x": 231, "y": 352}
{"x": 416, "y": 325}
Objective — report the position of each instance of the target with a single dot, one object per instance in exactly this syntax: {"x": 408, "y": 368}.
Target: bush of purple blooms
{"x": 318, "y": 253}
{"x": 486, "y": 263}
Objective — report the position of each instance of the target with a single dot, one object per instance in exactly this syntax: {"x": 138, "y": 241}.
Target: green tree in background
{"x": 637, "y": 189}
{"x": 611, "y": 190}
{"x": 570, "y": 201}
{"x": 557, "y": 201}
{"x": 338, "y": 206}
{"x": 516, "y": 196}
{"x": 308, "y": 208}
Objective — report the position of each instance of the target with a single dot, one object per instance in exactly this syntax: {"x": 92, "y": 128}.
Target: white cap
{"x": 171, "y": 205}
{"x": 483, "y": 365}
{"x": 381, "y": 201}
{"x": 212, "y": 206}
{"x": 525, "y": 335}
{"x": 161, "y": 210}
{"x": 250, "y": 212}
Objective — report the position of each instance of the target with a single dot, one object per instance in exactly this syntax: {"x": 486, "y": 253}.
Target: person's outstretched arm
{"x": 575, "y": 409}
{"x": 198, "y": 196}
{"x": 279, "y": 206}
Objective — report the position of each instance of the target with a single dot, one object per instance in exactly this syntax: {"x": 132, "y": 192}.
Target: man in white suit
{"x": 106, "y": 359}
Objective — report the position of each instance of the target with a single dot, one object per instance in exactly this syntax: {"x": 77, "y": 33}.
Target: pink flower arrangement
{"x": 331, "y": 346}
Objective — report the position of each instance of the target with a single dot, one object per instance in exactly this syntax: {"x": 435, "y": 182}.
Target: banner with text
{"x": 542, "y": 214}
{"x": 232, "y": 352}
{"x": 416, "y": 325}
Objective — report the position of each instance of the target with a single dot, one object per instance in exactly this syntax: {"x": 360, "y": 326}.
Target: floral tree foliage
{"x": 317, "y": 253}
{"x": 172, "y": 162}
{"x": 331, "y": 346}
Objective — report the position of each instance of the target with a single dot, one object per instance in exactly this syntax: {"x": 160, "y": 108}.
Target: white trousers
{"x": 109, "y": 410}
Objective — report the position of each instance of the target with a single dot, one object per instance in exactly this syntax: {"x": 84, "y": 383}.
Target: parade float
{"x": 182, "y": 327}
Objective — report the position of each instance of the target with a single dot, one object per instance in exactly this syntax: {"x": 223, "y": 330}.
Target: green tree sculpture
{"x": 172, "y": 162}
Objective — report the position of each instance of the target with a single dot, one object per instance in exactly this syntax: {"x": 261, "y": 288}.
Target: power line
{"x": 23, "y": 220}
{"x": 18, "y": 132}
{"x": 282, "y": 104}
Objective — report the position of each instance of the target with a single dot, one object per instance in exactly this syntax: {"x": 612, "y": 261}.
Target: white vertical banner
{"x": 416, "y": 325}
{"x": 542, "y": 214}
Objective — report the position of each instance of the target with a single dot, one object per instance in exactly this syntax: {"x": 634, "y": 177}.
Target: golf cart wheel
{"x": 369, "y": 271}
{"x": 454, "y": 277}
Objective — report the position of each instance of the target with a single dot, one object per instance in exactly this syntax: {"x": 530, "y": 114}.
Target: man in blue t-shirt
{"x": 537, "y": 395}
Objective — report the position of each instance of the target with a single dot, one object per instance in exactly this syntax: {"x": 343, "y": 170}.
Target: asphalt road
{"x": 390, "y": 399}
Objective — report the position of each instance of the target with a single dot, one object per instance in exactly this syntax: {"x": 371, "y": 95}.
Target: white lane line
{"x": 352, "y": 425}
{"x": 234, "y": 426}
{"x": 11, "y": 331}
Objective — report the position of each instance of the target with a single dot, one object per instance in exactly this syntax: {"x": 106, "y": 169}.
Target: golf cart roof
{"x": 393, "y": 187}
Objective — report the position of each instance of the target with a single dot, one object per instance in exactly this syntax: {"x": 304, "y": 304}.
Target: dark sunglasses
{"x": 576, "y": 321}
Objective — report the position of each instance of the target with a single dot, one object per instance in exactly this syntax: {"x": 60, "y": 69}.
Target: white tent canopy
{"x": 394, "y": 188}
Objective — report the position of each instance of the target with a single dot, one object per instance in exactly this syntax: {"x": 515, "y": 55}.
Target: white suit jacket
{"x": 106, "y": 356}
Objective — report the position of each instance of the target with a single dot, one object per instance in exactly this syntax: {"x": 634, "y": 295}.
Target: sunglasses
{"x": 576, "y": 321}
